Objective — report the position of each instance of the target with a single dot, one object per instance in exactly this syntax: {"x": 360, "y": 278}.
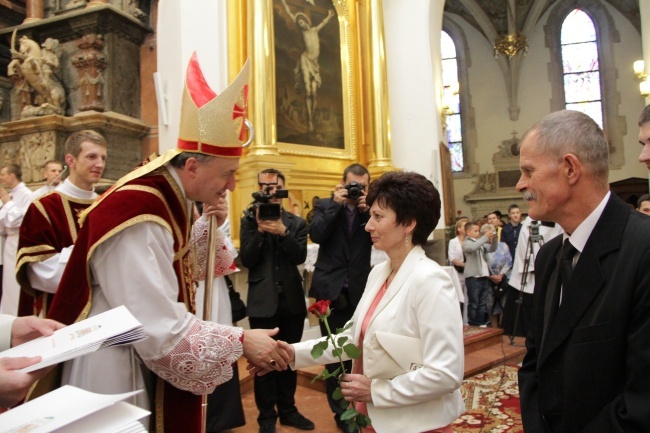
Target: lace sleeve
{"x": 201, "y": 358}
{"x": 224, "y": 262}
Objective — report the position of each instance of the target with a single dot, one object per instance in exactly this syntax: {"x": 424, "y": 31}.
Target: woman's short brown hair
{"x": 412, "y": 197}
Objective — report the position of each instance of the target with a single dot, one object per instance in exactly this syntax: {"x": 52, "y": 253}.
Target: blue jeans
{"x": 478, "y": 290}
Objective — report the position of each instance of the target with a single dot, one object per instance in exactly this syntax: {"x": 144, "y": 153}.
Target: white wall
{"x": 412, "y": 40}
{"x": 184, "y": 27}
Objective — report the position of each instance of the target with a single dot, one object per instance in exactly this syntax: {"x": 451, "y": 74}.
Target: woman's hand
{"x": 356, "y": 387}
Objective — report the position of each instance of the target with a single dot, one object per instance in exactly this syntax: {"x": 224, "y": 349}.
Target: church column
{"x": 375, "y": 88}
{"x": 262, "y": 106}
{"x": 413, "y": 62}
{"x": 34, "y": 11}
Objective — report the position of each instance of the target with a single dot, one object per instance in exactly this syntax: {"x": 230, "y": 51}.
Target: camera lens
{"x": 354, "y": 193}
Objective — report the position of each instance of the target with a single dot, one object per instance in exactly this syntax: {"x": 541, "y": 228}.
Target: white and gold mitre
{"x": 211, "y": 124}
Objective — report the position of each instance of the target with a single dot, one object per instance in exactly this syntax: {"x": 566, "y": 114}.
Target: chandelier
{"x": 511, "y": 43}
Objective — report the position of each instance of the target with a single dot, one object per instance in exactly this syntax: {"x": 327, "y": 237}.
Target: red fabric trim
{"x": 209, "y": 149}
{"x": 198, "y": 88}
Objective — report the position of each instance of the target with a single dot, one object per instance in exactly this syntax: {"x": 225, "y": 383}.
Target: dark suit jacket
{"x": 340, "y": 255}
{"x": 272, "y": 262}
{"x": 591, "y": 371}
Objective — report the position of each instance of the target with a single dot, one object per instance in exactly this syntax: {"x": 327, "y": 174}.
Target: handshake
{"x": 264, "y": 354}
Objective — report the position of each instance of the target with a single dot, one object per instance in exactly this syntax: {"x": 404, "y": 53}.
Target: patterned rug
{"x": 492, "y": 403}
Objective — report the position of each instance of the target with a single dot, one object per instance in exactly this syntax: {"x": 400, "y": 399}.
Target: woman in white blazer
{"x": 407, "y": 323}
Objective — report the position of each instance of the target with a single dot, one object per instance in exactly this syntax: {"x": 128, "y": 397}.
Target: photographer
{"x": 540, "y": 231}
{"x": 343, "y": 262}
{"x": 273, "y": 244}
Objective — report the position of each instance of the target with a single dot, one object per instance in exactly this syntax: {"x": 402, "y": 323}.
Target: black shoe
{"x": 267, "y": 427}
{"x": 295, "y": 419}
{"x": 344, "y": 426}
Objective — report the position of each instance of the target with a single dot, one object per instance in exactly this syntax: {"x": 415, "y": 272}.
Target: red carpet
{"x": 492, "y": 403}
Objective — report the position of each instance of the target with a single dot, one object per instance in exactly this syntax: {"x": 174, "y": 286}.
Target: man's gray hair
{"x": 179, "y": 160}
{"x": 569, "y": 131}
{"x": 645, "y": 116}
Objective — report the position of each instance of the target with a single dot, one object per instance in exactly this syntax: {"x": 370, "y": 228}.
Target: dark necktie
{"x": 566, "y": 265}
{"x": 563, "y": 272}
{"x": 350, "y": 214}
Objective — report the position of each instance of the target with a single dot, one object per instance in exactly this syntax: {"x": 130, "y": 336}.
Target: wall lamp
{"x": 644, "y": 84}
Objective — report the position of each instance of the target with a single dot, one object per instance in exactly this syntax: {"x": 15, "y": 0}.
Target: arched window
{"x": 581, "y": 65}
{"x": 581, "y": 35}
{"x": 451, "y": 102}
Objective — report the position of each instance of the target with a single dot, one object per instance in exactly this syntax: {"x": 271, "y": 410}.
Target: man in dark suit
{"x": 271, "y": 249}
{"x": 588, "y": 357}
{"x": 343, "y": 262}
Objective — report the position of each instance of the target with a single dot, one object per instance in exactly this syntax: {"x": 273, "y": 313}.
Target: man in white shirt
{"x": 52, "y": 175}
{"x": 51, "y": 223}
{"x": 522, "y": 288}
{"x": 14, "y": 205}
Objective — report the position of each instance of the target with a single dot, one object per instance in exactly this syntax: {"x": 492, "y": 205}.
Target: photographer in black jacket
{"x": 273, "y": 244}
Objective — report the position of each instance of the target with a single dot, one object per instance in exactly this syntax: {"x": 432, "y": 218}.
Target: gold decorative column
{"x": 375, "y": 86}
{"x": 262, "y": 83}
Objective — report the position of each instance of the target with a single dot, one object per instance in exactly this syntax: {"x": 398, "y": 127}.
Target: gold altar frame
{"x": 259, "y": 32}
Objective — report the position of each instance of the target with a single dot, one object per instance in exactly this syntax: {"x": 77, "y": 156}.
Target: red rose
{"x": 320, "y": 308}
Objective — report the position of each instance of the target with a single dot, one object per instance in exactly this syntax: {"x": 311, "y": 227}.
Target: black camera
{"x": 534, "y": 232}
{"x": 261, "y": 207}
{"x": 355, "y": 190}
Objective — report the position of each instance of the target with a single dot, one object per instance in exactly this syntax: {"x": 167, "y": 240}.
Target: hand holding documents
{"x": 111, "y": 328}
{"x": 74, "y": 410}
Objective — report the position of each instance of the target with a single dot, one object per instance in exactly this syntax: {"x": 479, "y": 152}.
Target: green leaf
{"x": 318, "y": 349}
{"x": 344, "y": 403}
{"x": 352, "y": 351}
{"x": 346, "y": 327}
{"x": 349, "y": 414}
{"x": 322, "y": 375}
{"x": 341, "y": 341}
{"x": 362, "y": 420}
{"x": 335, "y": 373}
{"x": 337, "y": 352}
{"x": 337, "y": 394}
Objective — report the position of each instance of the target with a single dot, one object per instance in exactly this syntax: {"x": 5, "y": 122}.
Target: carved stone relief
{"x": 90, "y": 62}
{"x": 33, "y": 71}
{"x": 35, "y": 150}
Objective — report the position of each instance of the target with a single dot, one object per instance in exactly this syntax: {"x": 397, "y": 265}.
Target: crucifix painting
{"x": 309, "y": 106}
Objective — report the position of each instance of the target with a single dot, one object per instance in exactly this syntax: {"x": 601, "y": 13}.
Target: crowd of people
{"x": 572, "y": 278}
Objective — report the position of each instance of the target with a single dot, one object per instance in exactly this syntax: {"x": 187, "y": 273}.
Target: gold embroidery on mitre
{"x": 213, "y": 122}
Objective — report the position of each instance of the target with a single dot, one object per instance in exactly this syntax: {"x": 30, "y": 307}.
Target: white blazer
{"x": 420, "y": 302}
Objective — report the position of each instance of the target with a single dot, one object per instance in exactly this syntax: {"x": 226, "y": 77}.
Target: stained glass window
{"x": 581, "y": 66}
{"x": 451, "y": 100}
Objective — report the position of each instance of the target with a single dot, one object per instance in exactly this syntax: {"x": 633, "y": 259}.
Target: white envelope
{"x": 390, "y": 355}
